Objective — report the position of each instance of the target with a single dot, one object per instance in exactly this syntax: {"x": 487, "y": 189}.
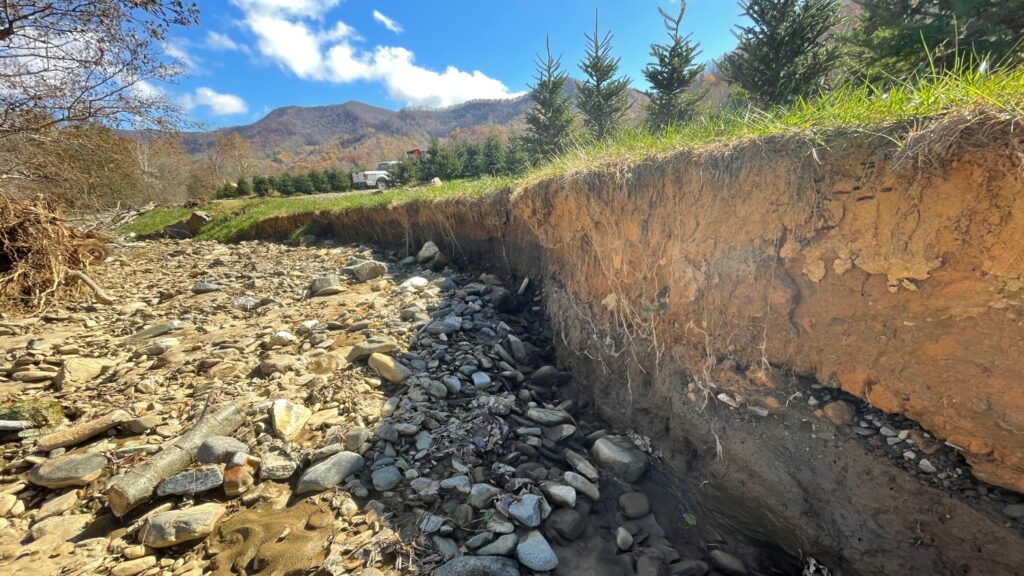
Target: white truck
{"x": 379, "y": 178}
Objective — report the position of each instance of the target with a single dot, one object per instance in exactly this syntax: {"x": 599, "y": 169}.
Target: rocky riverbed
{"x": 263, "y": 409}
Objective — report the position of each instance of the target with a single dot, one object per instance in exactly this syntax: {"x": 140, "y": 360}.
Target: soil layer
{"x": 682, "y": 290}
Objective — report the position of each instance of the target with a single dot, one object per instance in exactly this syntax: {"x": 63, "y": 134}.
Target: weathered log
{"x": 83, "y": 431}
{"x": 128, "y": 490}
{"x": 16, "y": 425}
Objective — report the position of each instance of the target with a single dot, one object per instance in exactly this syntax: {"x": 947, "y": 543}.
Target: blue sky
{"x": 250, "y": 56}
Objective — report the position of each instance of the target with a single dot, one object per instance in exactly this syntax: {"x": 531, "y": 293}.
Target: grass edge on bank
{"x": 971, "y": 93}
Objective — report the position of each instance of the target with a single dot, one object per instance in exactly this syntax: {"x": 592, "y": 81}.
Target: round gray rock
{"x": 727, "y": 563}
{"x": 330, "y": 472}
{"x": 535, "y": 553}
{"x": 386, "y": 478}
{"x": 177, "y": 526}
{"x": 505, "y": 545}
{"x": 480, "y": 495}
{"x": 527, "y": 511}
{"x": 634, "y": 505}
{"x": 619, "y": 455}
{"x": 567, "y": 523}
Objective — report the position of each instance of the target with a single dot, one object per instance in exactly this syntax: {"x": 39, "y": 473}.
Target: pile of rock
{"x": 398, "y": 401}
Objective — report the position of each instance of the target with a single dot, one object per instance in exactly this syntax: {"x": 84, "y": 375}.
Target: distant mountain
{"x": 358, "y": 134}
{"x": 292, "y": 128}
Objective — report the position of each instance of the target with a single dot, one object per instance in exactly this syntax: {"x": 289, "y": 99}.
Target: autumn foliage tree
{"x": 69, "y": 71}
{"x": 67, "y": 62}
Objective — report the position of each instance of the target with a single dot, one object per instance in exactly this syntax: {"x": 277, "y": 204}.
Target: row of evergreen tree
{"x": 492, "y": 157}
{"x": 288, "y": 184}
{"x": 790, "y": 49}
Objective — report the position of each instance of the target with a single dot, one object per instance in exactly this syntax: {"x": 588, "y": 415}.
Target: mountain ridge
{"x": 354, "y": 132}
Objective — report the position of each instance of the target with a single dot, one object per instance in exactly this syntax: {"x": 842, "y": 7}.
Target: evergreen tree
{"x": 896, "y": 38}
{"x": 243, "y": 188}
{"x": 301, "y": 184}
{"x": 405, "y": 172}
{"x": 227, "y": 190}
{"x": 785, "y": 52}
{"x": 517, "y": 159}
{"x": 283, "y": 184}
{"x": 261, "y": 185}
{"x": 671, "y": 75}
{"x": 318, "y": 181}
{"x": 492, "y": 156}
{"x": 549, "y": 122}
{"x": 470, "y": 156}
{"x": 603, "y": 98}
{"x": 335, "y": 180}
{"x": 443, "y": 162}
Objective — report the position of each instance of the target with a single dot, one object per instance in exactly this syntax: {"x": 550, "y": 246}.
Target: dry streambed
{"x": 262, "y": 409}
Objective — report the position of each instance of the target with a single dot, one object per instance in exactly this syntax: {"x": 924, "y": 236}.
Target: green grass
{"x": 232, "y": 218}
{"x": 862, "y": 108}
{"x": 154, "y": 220}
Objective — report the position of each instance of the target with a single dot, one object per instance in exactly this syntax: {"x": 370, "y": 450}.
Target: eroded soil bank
{"x": 692, "y": 295}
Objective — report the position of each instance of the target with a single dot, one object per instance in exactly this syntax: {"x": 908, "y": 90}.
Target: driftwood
{"x": 101, "y": 296}
{"x": 128, "y": 490}
{"x": 16, "y": 425}
{"x": 83, "y": 431}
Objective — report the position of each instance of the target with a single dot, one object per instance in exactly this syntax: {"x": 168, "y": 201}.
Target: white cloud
{"x": 220, "y": 42}
{"x": 290, "y": 33}
{"x": 178, "y": 49}
{"x": 218, "y": 103}
{"x": 289, "y": 43}
{"x": 148, "y": 90}
{"x": 300, "y": 8}
{"x": 407, "y": 82}
{"x": 387, "y": 22}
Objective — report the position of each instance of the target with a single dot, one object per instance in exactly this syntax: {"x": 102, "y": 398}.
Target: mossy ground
{"x": 41, "y": 412}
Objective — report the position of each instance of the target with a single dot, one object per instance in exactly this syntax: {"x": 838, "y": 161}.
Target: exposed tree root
{"x": 40, "y": 252}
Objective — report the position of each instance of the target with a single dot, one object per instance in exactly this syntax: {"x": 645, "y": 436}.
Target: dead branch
{"x": 101, "y": 296}
{"x": 136, "y": 486}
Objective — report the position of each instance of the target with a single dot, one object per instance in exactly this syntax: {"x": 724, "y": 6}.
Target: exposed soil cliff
{"x": 684, "y": 288}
